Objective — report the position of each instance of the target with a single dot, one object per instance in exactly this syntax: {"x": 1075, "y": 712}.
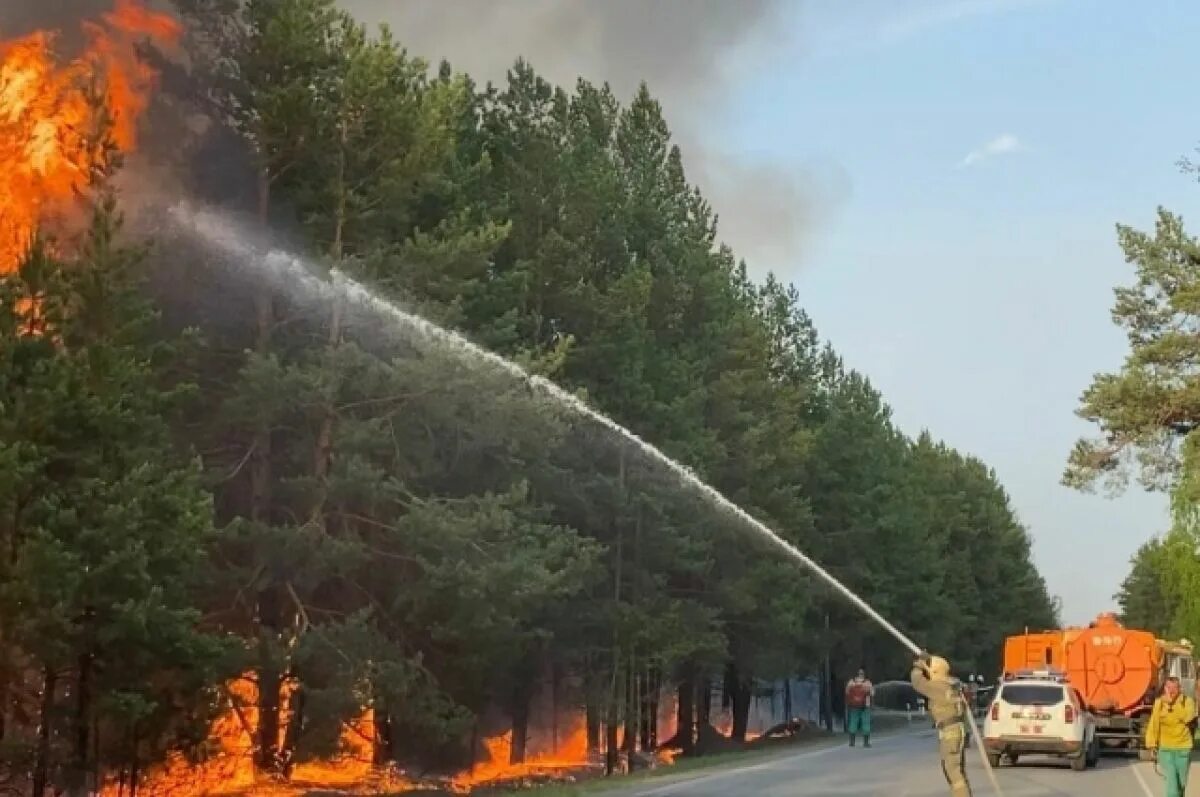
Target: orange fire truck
{"x": 1117, "y": 670}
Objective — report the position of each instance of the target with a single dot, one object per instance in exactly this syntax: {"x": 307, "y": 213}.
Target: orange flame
{"x": 229, "y": 768}
{"x": 49, "y": 122}
{"x": 572, "y": 753}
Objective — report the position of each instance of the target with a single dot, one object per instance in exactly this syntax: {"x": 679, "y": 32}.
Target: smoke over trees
{"x": 398, "y": 535}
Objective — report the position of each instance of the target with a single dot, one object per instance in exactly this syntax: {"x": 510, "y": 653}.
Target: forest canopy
{"x": 209, "y": 479}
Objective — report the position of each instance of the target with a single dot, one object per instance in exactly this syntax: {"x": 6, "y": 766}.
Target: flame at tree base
{"x": 229, "y": 770}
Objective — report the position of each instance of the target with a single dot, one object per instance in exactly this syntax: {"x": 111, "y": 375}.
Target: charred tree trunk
{"x": 295, "y": 727}
{"x": 631, "y": 714}
{"x": 520, "y": 727}
{"x": 130, "y": 766}
{"x": 135, "y": 770}
{"x": 837, "y": 698}
{"x": 41, "y": 764}
{"x": 555, "y": 678}
{"x": 704, "y": 704}
{"x": 97, "y": 770}
{"x": 685, "y": 714}
{"x": 4, "y": 680}
{"x": 612, "y": 757}
{"x": 270, "y": 680}
{"x": 787, "y": 699}
{"x": 649, "y": 711}
{"x": 740, "y": 694}
{"x": 652, "y": 714}
{"x": 381, "y": 748}
{"x": 525, "y": 679}
{"x": 592, "y": 719}
{"x": 80, "y": 754}
{"x": 474, "y": 743}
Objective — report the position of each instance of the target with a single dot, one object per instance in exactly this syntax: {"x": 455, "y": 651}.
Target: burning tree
{"x": 421, "y": 566}
{"x": 102, "y": 665}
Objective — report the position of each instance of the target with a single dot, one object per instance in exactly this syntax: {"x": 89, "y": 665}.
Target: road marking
{"x": 1137, "y": 773}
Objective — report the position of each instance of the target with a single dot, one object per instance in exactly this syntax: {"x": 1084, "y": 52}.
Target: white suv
{"x": 1039, "y": 713}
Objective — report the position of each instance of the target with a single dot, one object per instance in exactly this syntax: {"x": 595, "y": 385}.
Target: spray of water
{"x": 217, "y": 230}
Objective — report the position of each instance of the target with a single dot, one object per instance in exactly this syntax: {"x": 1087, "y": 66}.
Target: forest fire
{"x": 52, "y": 114}
{"x": 228, "y": 768}
{"x": 570, "y": 754}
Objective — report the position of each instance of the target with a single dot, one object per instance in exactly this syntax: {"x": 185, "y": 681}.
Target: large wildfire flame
{"x": 51, "y": 113}
{"x": 229, "y": 767}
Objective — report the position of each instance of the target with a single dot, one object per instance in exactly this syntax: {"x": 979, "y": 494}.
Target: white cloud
{"x": 1005, "y": 144}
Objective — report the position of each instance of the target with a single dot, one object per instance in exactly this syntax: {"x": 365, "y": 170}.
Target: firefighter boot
{"x": 866, "y": 740}
{"x": 851, "y": 740}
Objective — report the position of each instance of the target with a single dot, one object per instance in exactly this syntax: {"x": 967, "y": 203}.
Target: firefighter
{"x": 931, "y": 677}
{"x": 859, "y": 693}
{"x": 1169, "y": 735}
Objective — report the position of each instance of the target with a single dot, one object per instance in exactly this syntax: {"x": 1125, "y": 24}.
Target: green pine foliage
{"x": 377, "y": 526}
{"x": 1147, "y": 414}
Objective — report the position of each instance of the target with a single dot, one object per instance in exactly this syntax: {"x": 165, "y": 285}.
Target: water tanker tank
{"x": 1113, "y": 667}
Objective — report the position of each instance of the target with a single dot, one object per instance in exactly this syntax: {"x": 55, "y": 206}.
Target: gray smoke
{"x": 691, "y": 53}
{"x": 19, "y": 17}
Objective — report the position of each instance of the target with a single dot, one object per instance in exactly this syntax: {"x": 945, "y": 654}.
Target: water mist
{"x": 218, "y": 231}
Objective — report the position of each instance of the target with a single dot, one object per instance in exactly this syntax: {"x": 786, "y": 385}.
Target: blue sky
{"x": 976, "y": 295}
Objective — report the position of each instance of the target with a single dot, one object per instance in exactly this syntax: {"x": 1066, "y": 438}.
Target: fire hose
{"x": 915, "y": 649}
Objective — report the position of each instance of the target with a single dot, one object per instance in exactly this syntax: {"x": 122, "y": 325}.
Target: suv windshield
{"x": 1032, "y": 694}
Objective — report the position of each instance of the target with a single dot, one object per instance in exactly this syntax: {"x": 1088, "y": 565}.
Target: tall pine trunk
{"x": 41, "y": 763}
{"x": 704, "y": 705}
{"x": 739, "y": 685}
{"x": 592, "y": 714}
{"x": 522, "y": 695}
{"x": 613, "y": 707}
{"x": 323, "y": 449}
{"x": 269, "y": 604}
{"x": 631, "y": 714}
{"x": 649, "y": 711}
{"x": 82, "y": 722}
{"x": 685, "y": 713}
{"x": 381, "y": 748}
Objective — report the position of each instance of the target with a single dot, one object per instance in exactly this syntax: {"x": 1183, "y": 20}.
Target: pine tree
{"x": 109, "y": 522}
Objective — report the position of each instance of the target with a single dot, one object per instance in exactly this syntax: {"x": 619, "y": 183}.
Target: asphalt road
{"x": 906, "y": 765}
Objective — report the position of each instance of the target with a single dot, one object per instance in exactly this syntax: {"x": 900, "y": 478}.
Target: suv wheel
{"x": 1093, "y": 753}
{"x": 1079, "y": 763}
{"x": 993, "y": 760}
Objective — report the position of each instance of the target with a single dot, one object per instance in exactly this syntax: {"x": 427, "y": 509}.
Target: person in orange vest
{"x": 859, "y": 693}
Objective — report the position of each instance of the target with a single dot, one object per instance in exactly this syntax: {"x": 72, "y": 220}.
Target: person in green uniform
{"x": 1170, "y": 734}
{"x": 931, "y": 678}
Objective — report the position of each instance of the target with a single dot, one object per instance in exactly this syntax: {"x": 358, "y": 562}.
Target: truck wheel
{"x": 993, "y": 760}
{"x": 1093, "y": 753}
{"x": 1079, "y": 763}
{"x": 1012, "y": 758}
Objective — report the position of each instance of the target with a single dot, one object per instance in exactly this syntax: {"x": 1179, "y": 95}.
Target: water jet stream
{"x": 216, "y": 229}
